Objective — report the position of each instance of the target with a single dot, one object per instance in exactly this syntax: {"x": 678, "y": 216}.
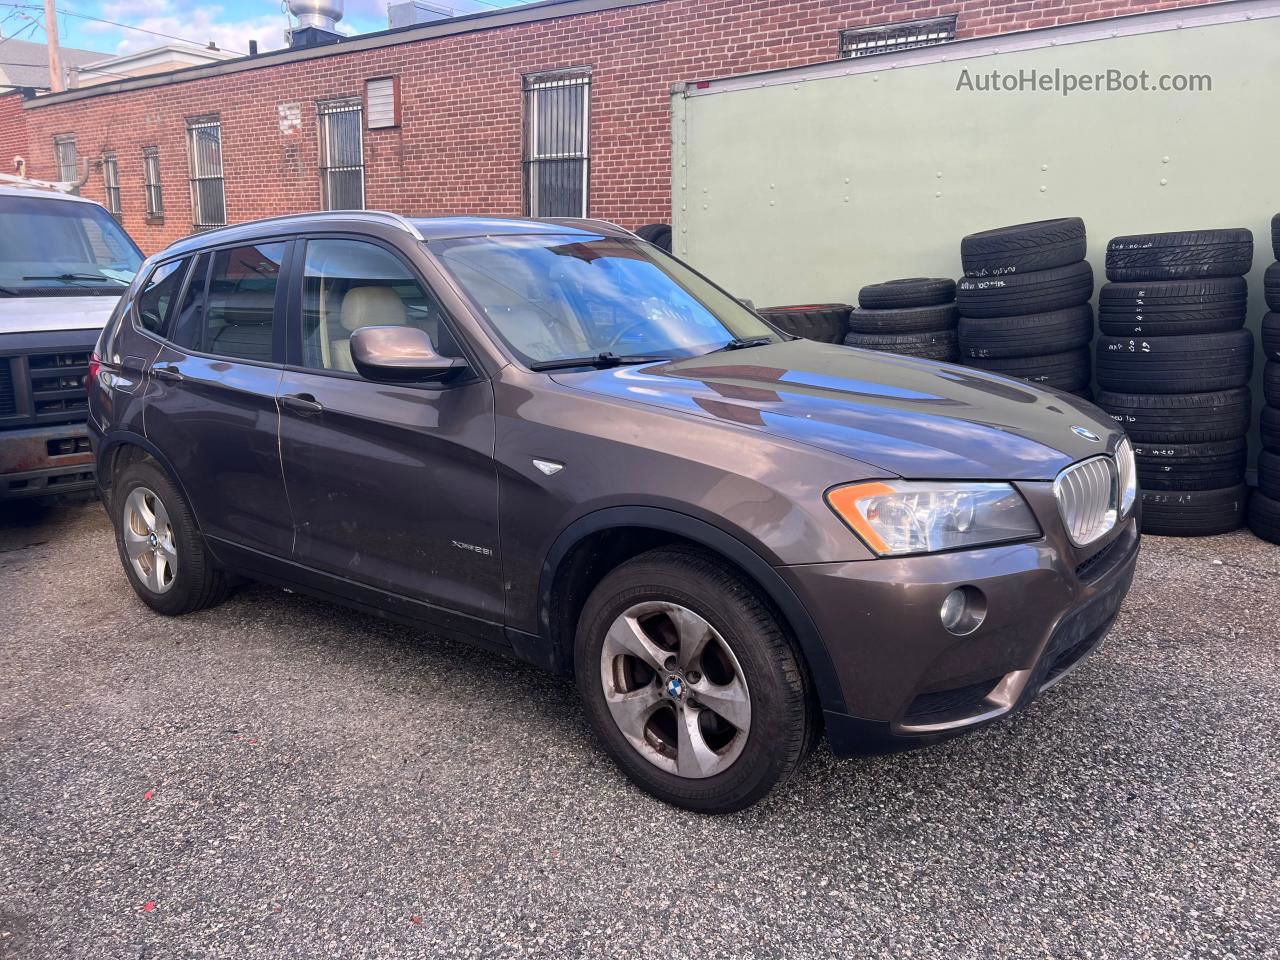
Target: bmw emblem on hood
{"x": 1086, "y": 433}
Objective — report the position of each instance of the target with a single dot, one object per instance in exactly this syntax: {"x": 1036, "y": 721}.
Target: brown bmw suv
{"x": 560, "y": 442}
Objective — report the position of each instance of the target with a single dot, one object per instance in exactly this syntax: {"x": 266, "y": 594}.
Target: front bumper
{"x": 42, "y": 461}
{"x": 906, "y": 681}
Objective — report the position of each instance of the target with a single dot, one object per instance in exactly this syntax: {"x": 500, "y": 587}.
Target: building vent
{"x": 382, "y": 94}
{"x": 865, "y": 41}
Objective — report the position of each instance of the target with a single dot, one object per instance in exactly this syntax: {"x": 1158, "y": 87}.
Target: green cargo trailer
{"x": 801, "y": 185}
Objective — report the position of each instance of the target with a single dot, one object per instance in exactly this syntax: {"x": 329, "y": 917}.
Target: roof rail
{"x": 402, "y": 223}
{"x": 577, "y": 221}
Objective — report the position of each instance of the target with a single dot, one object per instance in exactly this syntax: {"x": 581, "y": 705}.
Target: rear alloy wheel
{"x": 161, "y": 550}
{"x": 691, "y": 683}
{"x": 148, "y": 540}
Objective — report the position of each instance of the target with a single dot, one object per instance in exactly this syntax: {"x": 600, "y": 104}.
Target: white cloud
{"x": 197, "y": 26}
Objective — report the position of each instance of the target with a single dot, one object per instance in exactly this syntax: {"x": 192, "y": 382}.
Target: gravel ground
{"x": 281, "y": 778}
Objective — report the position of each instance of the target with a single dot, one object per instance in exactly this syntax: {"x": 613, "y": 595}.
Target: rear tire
{"x": 165, "y": 559}
{"x": 708, "y": 770}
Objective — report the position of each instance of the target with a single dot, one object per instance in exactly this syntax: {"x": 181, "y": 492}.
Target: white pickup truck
{"x": 64, "y": 262}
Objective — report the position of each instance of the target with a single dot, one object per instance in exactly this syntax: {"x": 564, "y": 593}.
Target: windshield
{"x": 49, "y": 242}
{"x": 556, "y": 297}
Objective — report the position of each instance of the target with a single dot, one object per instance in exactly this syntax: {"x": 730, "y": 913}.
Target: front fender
{"x": 716, "y": 540}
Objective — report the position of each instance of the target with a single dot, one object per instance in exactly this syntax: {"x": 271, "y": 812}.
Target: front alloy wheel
{"x": 675, "y": 689}
{"x": 692, "y": 682}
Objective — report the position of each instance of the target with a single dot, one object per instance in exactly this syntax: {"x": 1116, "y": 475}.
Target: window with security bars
{"x": 111, "y": 182}
{"x": 557, "y": 109}
{"x": 208, "y": 191}
{"x": 865, "y": 41}
{"x": 151, "y": 181}
{"x": 342, "y": 154}
{"x": 64, "y": 154}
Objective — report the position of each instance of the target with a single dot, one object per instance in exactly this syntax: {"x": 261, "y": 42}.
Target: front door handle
{"x": 171, "y": 374}
{"x": 303, "y": 403}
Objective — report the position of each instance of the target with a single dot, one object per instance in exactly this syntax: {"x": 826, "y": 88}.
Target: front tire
{"x": 163, "y": 554}
{"x": 691, "y": 683}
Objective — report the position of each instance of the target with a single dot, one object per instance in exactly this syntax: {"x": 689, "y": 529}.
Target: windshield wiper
{"x": 600, "y": 361}
{"x": 10, "y": 292}
{"x": 741, "y": 344}
{"x": 72, "y": 277}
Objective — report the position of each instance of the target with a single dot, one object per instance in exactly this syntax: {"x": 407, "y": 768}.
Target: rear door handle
{"x": 168, "y": 373}
{"x": 302, "y": 402}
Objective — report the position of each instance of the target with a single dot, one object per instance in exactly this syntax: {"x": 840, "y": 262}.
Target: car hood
{"x": 915, "y": 418}
{"x": 44, "y": 314}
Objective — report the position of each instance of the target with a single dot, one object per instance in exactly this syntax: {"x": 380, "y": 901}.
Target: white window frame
{"x": 151, "y": 181}
{"x": 198, "y": 219}
{"x": 324, "y": 110}
{"x": 68, "y": 166}
{"x": 111, "y": 182}
{"x": 533, "y": 84}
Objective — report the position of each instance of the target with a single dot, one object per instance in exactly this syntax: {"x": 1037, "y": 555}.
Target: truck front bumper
{"x": 42, "y": 461}
{"x": 907, "y": 681}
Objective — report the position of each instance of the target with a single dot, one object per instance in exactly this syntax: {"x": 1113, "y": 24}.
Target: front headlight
{"x": 1127, "y": 468}
{"x": 896, "y": 517}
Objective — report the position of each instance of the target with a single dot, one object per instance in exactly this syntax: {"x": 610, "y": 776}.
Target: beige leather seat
{"x": 364, "y": 307}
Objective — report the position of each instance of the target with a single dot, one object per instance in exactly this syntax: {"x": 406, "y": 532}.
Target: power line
{"x": 117, "y": 23}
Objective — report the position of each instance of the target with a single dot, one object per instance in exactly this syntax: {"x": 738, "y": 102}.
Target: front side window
{"x": 62, "y": 245}
{"x": 151, "y": 181}
{"x": 111, "y": 181}
{"x": 159, "y": 293}
{"x": 349, "y": 284}
{"x": 231, "y": 311}
{"x": 342, "y": 154}
{"x": 556, "y": 141}
{"x": 64, "y": 153}
{"x": 208, "y": 197}
{"x": 563, "y": 297}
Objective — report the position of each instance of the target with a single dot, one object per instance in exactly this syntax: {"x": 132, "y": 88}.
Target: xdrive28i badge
{"x": 1086, "y": 433}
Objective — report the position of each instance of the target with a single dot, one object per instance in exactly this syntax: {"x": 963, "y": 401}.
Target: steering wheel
{"x": 621, "y": 335}
{"x": 654, "y": 311}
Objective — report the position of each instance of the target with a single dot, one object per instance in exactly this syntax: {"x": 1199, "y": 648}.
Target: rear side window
{"x": 159, "y": 294}
{"x": 232, "y": 312}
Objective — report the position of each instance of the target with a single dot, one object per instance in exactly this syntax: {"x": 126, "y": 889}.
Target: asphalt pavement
{"x": 282, "y": 778}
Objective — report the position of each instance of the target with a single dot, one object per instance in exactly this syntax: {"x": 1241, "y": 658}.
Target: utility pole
{"x": 55, "y": 54}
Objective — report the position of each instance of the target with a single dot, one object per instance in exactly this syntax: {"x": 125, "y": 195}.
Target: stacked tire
{"x": 824, "y": 322}
{"x": 1173, "y": 365}
{"x": 1264, "y": 505}
{"x": 915, "y": 317}
{"x": 1024, "y": 303}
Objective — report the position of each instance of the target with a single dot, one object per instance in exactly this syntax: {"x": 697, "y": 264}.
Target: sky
{"x": 231, "y": 24}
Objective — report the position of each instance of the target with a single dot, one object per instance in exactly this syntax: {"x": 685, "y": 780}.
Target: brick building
{"x": 543, "y": 108}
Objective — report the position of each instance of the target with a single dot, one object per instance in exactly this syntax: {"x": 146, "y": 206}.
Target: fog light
{"x": 963, "y": 610}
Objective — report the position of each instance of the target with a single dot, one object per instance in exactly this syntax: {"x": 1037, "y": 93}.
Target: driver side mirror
{"x": 400, "y": 354}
